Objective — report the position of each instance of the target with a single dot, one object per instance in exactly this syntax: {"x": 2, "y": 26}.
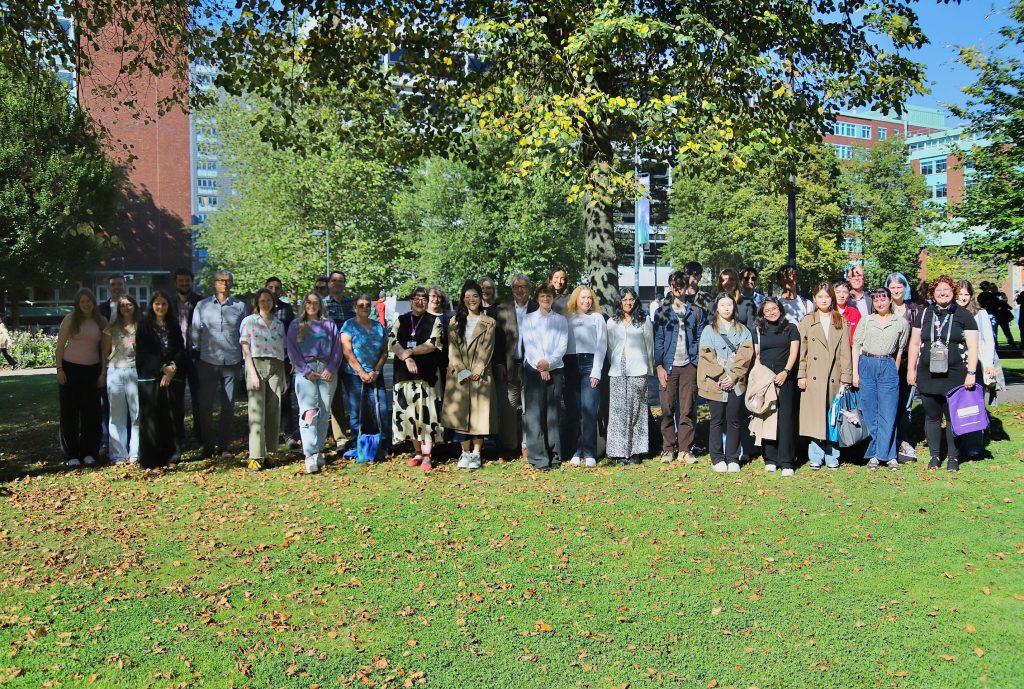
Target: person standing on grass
{"x": 414, "y": 340}
{"x": 122, "y": 382}
{"x": 6, "y": 344}
{"x": 364, "y": 343}
{"x": 943, "y": 331}
{"x": 470, "y": 398}
{"x": 850, "y": 313}
{"x": 184, "y": 305}
{"x": 262, "y": 337}
{"x": 215, "y": 324}
{"x": 877, "y": 349}
{"x": 677, "y": 329}
{"x": 159, "y": 351}
{"x": 988, "y": 360}
{"x": 777, "y": 347}
{"x": 631, "y": 364}
{"x": 284, "y": 313}
{"x": 545, "y": 336}
{"x": 726, "y": 352}
{"x": 509, "y": 367}
{"x": 338, "y": 308}
{"x": 584, "y": 361}
{"x": 825, "y": 370}
{"x": 905, "y": 308}
{"x": 79, "y": 377}
{"x": 314, "y": 348}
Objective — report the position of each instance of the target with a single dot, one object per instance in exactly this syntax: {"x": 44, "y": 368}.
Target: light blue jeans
{"x": 315, "y": 395}
{"x": 823, "y": 450}
{"x": 123, "y": 393}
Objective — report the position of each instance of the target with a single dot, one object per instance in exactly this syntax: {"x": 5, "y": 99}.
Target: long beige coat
{"x": 470, "y": 406}
{"x": 825, "y": 365}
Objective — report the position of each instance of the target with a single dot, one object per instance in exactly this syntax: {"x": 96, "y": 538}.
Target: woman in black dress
{"x": 777, "y": 346}
{"x": 942, "y": 327}
{"x": 159, "y": 350}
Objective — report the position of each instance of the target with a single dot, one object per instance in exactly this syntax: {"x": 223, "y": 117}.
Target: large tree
{"x": 993, "y": 206}
{"x": 887, "y": 201}
{"x": 460, "y": 221}
{"x": 288, "y": 200}
{"x": 58, "y": 189}
{"x": 582, "y": 88}
{"x": 729, "y": 221}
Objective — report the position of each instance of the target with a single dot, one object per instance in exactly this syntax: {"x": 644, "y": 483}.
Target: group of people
{"x": 549, "y": 373}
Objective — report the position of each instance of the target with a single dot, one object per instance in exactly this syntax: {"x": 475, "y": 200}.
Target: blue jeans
{"x": 123, "y": 396}
{"x": 823, "y": 450}
{"x": 879, "y": 401}
{"x": 315, "y": 395}
{"x": 582, "y": 407}
{"x": 353, "y": 392}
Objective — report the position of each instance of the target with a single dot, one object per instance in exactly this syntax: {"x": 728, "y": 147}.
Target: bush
{"x": 32, "y": 351}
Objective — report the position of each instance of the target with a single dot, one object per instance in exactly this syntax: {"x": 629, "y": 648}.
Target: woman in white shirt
{"x": 262, "y": 338}
{"x": 584, "y": 361}
{"x": 545, "y": 336}
{"x": 630, "y": 359}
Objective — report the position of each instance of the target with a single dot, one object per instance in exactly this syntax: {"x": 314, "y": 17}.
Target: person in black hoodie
{"x": 159, "y": 353}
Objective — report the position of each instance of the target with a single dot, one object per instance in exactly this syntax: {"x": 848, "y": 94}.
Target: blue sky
{"x": 972, "y": 22}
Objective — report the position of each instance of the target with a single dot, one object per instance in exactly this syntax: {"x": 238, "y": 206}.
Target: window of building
{"x": 882, "y": 133}
{"x": 927, "y": 167}
{"x": 864, "y": 131}
{"x": 940, "y": 165}
{"x": 940, "y": 191}
{"x": 844, "y": 152}
{"x": 207, "y": 183}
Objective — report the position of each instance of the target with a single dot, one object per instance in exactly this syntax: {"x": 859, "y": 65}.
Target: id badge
{"x": 411, "y": 344}
{"x": 939, "y": 361}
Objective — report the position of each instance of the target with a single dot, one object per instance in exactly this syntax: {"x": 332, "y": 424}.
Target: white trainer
{"x": 788, "y": 472}
{"x": 770, "y": 467}
{"x": 590, "y": 462}
{"x": 575, "y": 461}
{"x": 312, "y": 464}
{"x": 474, "y": 461}
{"x": 720, "y": 467}
{"x": 734, "y": 467}
{"x": 463, "y": 460}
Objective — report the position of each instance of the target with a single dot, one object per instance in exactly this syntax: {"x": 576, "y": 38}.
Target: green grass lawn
{"x": 380, "y": 576}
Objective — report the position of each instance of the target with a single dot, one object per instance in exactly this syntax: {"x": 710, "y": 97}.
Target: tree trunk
{"x": 598, "y": 225}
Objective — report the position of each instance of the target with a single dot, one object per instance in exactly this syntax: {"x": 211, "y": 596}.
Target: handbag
{"x": 368, "y": 444}
{"x": 850, "y": 427}
{"x": 967, "y": 411}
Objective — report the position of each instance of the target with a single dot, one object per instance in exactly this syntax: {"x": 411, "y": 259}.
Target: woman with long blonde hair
{"x": 584, "y": 360}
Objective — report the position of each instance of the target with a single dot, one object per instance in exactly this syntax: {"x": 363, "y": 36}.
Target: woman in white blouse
{"x": 631, "y": 356}
{"x": 584, "y": 360}
{"x": 262, "y": 338}
{"x": 545, "y": 337}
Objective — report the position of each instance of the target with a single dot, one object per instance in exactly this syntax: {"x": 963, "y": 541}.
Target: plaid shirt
{"x": 339, "y": 310}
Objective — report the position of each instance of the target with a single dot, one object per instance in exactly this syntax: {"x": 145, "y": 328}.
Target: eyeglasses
{"x": 419, "y": 297}
{"x": 749, "y": 277}
{"x": 362, "y": 305}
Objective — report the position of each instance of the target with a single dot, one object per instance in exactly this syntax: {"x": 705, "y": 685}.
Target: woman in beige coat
{"x": 825, "y": 369}
{"x": 470, "y": 407}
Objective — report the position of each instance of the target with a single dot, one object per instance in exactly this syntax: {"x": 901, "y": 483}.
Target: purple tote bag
{"x": 967, "y": 409}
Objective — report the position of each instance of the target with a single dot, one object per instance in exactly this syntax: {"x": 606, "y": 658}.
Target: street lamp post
{"x": 326, "y": 233}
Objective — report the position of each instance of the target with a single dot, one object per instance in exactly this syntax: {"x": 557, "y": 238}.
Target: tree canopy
{"x": 992, "y": 211}
{"x": 59, "y": 190}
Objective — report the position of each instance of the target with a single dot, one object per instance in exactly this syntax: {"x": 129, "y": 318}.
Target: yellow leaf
{"x": 978, "y": 652}
{"x": 544, "y": 627}
{"x": 971, "y": 629}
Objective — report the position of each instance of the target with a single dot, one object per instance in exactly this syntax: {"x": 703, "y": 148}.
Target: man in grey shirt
{"x": 215, "y": 325}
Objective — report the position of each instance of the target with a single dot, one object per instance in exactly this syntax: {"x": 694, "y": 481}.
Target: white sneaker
{"x": 720, "y": 467}
{"x": 770, "y": 467}
{"x": 88, "y": 459}
{"x": 135, "y": 460}
{"x": 590, "y": 462}
{"x": 575, "y": 461}
{"x": 321, "y": 462}
{"x": 72, "y": 462}
{"x": 474, "y": 461}
{"x": 734, "y": 467}
{"x": 788, "y": 472}
{"x": 312, "y": 465}
{"x": 464, "y": 460}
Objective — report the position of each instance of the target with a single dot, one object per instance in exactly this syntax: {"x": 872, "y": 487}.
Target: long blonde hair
{"x": 570, "y": 306}
{"x": 304, "y": 319}
{"x": 78, "y": 316}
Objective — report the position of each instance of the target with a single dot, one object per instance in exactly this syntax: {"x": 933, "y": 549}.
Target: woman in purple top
{"x": 314, "y": 349}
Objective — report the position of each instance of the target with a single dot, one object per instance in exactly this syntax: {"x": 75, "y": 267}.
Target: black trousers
{"x": 782, "y": 452}
{"x": 80, "y": 411}
{"x": 190, "y": 369}
{"x": 725, "y": 416}
{"x": 935, "y": 408}
{"x": 10, "y": 359}
{"x": 542, "y": 406}
{"x": 160, "y": 418}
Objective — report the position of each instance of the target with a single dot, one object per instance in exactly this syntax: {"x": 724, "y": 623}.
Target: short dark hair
{"x": 184, "y": 271}
{"x": 677, "y": 277}
{"x": 545, "y": 288}
{"x": 693, "y": 268}
{"x": 272, "y": 278}
{"x": 320, "y": 278}
{"x": 115, "y": 276}
{"x": 337, "y": 272}
{"x": 750, "y": 269}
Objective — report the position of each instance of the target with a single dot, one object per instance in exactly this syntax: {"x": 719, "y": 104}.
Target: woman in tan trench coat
{"x": 825, "y": 369}
{"x": 470, "y": 407}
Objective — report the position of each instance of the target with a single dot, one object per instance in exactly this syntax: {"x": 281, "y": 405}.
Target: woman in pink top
{"x": 79, "y": 377}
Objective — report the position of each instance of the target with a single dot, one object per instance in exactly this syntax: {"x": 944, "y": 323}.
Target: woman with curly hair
{"x": 630, "y": 366}
{"x": 943, "y": 355}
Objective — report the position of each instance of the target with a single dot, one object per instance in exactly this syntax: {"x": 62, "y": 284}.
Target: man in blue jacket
{"x": 677, "y": 328}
